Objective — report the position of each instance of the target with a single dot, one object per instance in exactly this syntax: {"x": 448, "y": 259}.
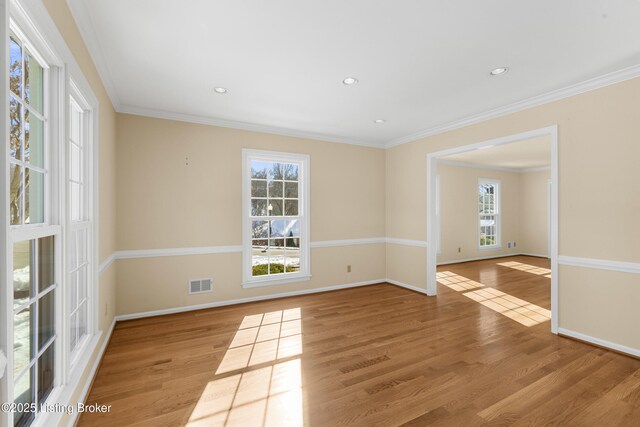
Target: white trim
{"x": 556, "y": 95}
{"x": 533, "y": 255}
{"x": 232, "y": 124}
{"x": 469, "y": 165}
{"x": 245, "y": 300}
{"x": 152, "y": 253}
{"x": 348, "y": 242}
{"x": 406, "y": 286}
{"x": 497, "y": 184}
{"x": 106, "y": 263}
{"x": 552, "y": 132}
{"x": 600, "y": 342}
{"x": 407, "y": 242}
{"x": 480, "y": 258}
{"x": 600, "y": 264}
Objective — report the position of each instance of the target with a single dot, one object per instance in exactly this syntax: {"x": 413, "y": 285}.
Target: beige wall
{"x": 599, "y": 159}
{"x": 459, "y": 212}
{"x": 179, "y": 185}
{"x": 534, "y": 213}
{"x": 63, "y": 19}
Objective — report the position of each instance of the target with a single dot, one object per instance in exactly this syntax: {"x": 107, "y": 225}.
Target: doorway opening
{"x": 490, "y": 230}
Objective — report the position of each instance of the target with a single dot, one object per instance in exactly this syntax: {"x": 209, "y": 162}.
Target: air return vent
{"x": 200, "y": 285}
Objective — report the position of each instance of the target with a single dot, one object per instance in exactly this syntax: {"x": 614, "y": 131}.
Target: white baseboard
{"x": 476, "y": 259}
{"x": 406, "y": 286}
{"x": 244, "y": 300}
{"x": 535, "y": 255}
{"x": 602, "y": 343}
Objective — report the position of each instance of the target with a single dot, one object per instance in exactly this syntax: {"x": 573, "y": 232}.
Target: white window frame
{"x": 498, "y": 200}
{"x": 88, "y": 224}
{"x": 32, "y": 21}
{"x": 248, "y": 280}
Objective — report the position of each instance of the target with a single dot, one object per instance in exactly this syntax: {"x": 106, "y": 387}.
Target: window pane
{"x": 24, "y": 393}
{"x": 33, "y": 81}
{"x": 275, "y": 189}
{"x": 276, "y": 172}
{"x": 291, "y": 207}
{"x": 22, "y": 272}
{"x": 82, "y": 321}
{"x": 293, "y": 260}
{"x": 76, "y": 201}
{"x": 15, "y": 66}
{"x": 82, "y": 246}
{"x": 276, "y": 243}
{"x": 275, "y": 207}
{"x": 15, "y": 194}
{"x": 22, "y": 345}
{"x": 46, "y": 325}
{"x": 258, "y": 188}
{"x": 258, "y": 207}
{"x": 46, "y": 368}
{"x": 46, "y": 263}
{"x": 15, "y": 120}
{"x": 291, "y": 190}
{"x": 73, "y": 250}
{"x": 33, "y": 140}
{"x": 276, "y": 260}
{"x": 291, "y": 172}
{"x": 75, "y": 166}
{"x": 277, "y": 228}
{"x": 34, "y": 197}
{"x": 259, "y": 229}
{"x": 260, "y": 258}
{"x": 82, "y": 284}
{"x": 259, "y": 169}
{"x": 73, "y": 290}
{"x": 76, "y": 120}
{"x": 73, "y": 331}
{"x": 293, "y": 242}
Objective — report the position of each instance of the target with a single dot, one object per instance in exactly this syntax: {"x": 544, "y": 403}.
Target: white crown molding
{"x": 600, "y": 264}
{"x": 599, "y": 342}
{"x": 85, "y": 25}
{"x": 407, "y": 242}
{"x": 555, "y": 95}
{"x": 252, "y": 127}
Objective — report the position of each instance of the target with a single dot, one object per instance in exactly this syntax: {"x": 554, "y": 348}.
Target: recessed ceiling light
{"x": 350, "y": 81}
{"x": 498, "y": 71}
{"x": 220, "y": 90}
{"x": 379, "y": 121}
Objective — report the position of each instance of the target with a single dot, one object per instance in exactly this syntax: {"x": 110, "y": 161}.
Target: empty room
{"x": 285, "y": 213}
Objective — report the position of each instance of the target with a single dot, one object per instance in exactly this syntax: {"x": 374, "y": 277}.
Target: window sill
{"x": 275, "y": 281}
{"x": 490, "y": 248}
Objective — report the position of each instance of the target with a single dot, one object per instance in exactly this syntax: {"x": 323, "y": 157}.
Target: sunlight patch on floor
{"x": 514, "y": 308}
{"x": 457, "y": 282}
{"x": 263, "y": 395}
{"x": 269, "y": 396}
{"x": 264, "y": 338}
{"x": 527, "y": 267}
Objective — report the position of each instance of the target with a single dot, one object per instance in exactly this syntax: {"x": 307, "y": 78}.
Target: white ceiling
{"x": 527, "y": 154}
{"x": 420, "y": 64}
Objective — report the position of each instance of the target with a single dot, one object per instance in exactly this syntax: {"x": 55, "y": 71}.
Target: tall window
{"x": 79, "y": 238}
{"x": 275, "y": 217}
{"x": 489, "y": 213}
{"x": 34, "y": 233}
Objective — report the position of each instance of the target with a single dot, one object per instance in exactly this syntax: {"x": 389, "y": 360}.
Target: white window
{"x": 489, "y": 213}
{"x": 34, "y": 232}
{"x": 275, "y": 217}
{"x": 80, "y": 224}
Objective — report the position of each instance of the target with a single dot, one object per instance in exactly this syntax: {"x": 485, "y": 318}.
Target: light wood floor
{"x": 376, "y": 355}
